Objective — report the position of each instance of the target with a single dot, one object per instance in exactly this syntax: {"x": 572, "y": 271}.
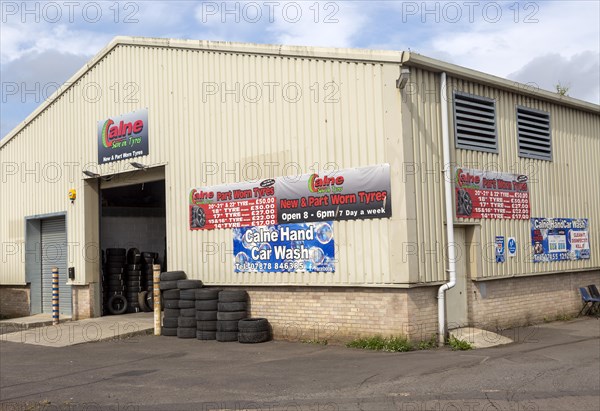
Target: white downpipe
{"x": 449, "y": 214}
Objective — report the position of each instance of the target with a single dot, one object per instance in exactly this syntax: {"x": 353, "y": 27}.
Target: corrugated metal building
{"x": 225, "y": 113}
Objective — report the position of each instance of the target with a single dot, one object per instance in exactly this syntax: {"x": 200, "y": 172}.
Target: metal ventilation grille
{"x": 533, "y": 131}
{"x": 475, "y": 123}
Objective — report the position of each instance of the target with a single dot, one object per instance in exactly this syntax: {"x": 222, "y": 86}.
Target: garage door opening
{"x": 133, "y": 218}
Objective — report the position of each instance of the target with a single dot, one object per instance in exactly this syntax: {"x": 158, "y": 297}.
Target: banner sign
{"x": 351, "y": 194}
{"x": 284, "y": 248}
{"x": 558, "y": 239}
{"x": 123, "y": 137}
{"x": 490, "y": 194}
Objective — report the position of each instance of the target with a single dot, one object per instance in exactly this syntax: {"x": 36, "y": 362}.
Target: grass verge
{"x": 391, "y": 344}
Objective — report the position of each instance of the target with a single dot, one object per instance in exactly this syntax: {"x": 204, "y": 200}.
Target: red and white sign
{"x": 490, "y": 194}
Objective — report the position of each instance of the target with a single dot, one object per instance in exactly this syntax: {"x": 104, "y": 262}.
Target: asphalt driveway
{"x": 550, "y": 367}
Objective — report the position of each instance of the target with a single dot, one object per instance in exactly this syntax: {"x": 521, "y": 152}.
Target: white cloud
{"x": 580, "y": 73}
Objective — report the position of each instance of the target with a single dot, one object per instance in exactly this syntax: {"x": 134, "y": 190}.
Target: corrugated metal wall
{"x": 566, "y": 187}
{"x": 347, "y": 115}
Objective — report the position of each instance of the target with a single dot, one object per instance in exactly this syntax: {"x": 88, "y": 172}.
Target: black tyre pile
{"x": 231, "y": 308}
{"x": 186, "y": 324}
{"x": 114, "y": 281}
{"x": 253, "y": 330}
{"x": 148, "y": 259}
{"x": 170, "y": 298}
{"x": 134, "y": 278}
{"x": 206, "y": 313}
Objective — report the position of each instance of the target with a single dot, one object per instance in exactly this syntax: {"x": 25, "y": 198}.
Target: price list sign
{"x": 491, "y": 195}
{"x": 233, "y": 206}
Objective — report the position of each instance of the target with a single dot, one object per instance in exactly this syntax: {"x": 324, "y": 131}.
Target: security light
{"x": 90, "y": 174}
{"x": 403, "y": 79}
{"x": 139, "y": 166}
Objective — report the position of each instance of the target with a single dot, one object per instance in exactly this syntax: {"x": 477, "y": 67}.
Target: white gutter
{"x": 449, "y": 213}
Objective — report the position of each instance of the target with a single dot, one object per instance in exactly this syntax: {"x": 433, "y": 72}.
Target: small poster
{"x": 499, "y": 249}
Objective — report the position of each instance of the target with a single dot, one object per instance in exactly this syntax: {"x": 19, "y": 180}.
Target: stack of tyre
{"x": 134, "y": 277}
{"x": 186, "y": 324}
{"x": 148, "y": 259}
{"x": 253, "y": 330}
{"x": 231, "y": 308}
{"x": 170, "y": 298}
{"x": 206, "y": 313}
{"x": 114, "y": 280}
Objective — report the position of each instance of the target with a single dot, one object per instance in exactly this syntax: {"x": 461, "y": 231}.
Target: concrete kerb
{"x": 84, "y": 331}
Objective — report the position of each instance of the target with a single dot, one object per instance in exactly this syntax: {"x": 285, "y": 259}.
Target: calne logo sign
{"x": 318, "y": 184}
{"x": 112, "y": 133}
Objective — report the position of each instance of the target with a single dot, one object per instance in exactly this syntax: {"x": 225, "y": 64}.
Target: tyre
{"x": 230, "y": 296}
{"x": 134, "y": 273}
{"x": 187, "y": 295}
{"x": 206, "y": 335}
{"x": 114, "y": 283}
{"x": 206, "y": 325}
{"x": 231, "y": 316}
{"x": 174, "y": 304}
{"x": 148, "y": 254}
{"x": 117, "y": 289}
{"x": 167, "y": 285}
{"x": 171, "y": 294}
{"x": 197, "y": 217}
{"x": 142, "y": 297}
{"x": 114, "y": 271}
{"x": 187, "y": 312}
{"x": 465, "y": 204}
{"x": 186, "y": 322}
{"x": 117, "y": 304}
{"x": 253, "y": 337}
{"x": 206, "y": 305}
{"x": 116, "y": 266}
{"x": 134, "y": 256}
{"x": 189, "y": 284}
{"x": 168, "y": 331}
{"x": 172, "y": 312}
{"x": 187, "y": 304}
{"x": 186, "y": 332}
{"x": 253, "y": 325}
{"x": 150, "y": 301}
{"x": 172, "y": 276}
{"x": 224, "y": 336}
{"x": 227, "y": 326}
{"x": 206, "y": 315}
{"x": 133, "y": 283}
{"x": 116, "y": 277}
{"x": 207, "y": 293}
{"x": 116, "y": 259}
{"x": 236, "y": 306}
{"x": 170, "y": 322}
{"x": 132, "y": 309}
{"x": 133, "y": 267}
{"x": 115, "y": 251}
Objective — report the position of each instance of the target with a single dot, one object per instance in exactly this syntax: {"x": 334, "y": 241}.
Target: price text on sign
{"x": 490, "y": 194}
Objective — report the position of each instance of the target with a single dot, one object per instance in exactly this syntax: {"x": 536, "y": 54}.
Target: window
{"x": 475, "y": 123}
{"x": 533, "y": 133}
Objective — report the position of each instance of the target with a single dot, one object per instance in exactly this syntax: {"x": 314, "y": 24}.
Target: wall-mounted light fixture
{"x": 403, "y": 79}
{"x": 139, "y": 166}
{"x": 90, "y": 174}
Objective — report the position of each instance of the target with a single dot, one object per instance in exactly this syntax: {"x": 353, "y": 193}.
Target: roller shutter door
{"x": 54, "y": 254}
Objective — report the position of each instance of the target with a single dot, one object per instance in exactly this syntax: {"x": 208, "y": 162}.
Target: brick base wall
{"x": 340, "y": 314}
{"x": 514, "y": 302}
{"x": 14, "y": 301}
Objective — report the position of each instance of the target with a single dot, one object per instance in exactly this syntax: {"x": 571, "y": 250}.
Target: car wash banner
{"x": 558, "y": 239}
{"x": 491, "y": 195}
{"x": 350, "y": 194}
{"x": 123, "y": 137}
{"x": 305, "y": 247}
